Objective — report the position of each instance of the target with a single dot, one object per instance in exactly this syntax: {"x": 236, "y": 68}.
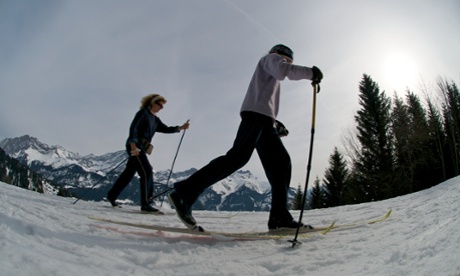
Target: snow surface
{"x": 44, "y": 234}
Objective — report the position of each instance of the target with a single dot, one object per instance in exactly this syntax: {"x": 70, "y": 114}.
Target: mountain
{"x": 241, "y": 191}
{"x": 15, "y": 173}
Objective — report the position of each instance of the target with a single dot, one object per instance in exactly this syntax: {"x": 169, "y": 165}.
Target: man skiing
{"x": 256, "y": 131}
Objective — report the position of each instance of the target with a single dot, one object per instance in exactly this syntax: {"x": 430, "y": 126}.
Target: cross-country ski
{"x": 49, "y": 234}
{"x": 274, "y": 234}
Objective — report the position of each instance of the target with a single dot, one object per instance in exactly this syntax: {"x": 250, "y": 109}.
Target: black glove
{"x": 317, "y": 75}
{"x": 281, "y": 129}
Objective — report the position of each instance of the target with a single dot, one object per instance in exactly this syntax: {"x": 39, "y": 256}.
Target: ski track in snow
{"x": 48, "y": 235}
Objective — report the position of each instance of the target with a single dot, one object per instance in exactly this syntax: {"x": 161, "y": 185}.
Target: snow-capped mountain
{"x": 29, "y": 149}
{"x": 17, "y": 174}
{"x": 240, "y": 191}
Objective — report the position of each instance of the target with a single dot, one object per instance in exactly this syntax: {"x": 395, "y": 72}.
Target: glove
{"x": 281, "y": 129}
{"x": 146, "y": 146}
{"x": 149, "y": 149}
{"x": 317, "y": 75}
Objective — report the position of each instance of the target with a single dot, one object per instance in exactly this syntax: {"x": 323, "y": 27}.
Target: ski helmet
{"x": 282, "y": 50}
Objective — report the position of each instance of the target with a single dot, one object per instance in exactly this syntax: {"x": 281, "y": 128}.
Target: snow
{"x": 238, "y": 179}
{"x": 56, "y": 157}
{"x": 43, "y": 234}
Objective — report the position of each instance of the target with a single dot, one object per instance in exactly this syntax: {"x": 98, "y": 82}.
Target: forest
{"x": 396, "y": 147}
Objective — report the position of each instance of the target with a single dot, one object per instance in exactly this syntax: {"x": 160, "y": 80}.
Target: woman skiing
{"x": 138, "y": 145}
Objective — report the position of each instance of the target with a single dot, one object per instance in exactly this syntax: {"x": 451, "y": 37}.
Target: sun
{"x": 400, "y": 71}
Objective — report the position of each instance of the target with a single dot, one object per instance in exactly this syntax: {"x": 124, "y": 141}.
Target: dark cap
{"x": 281, "y": 49}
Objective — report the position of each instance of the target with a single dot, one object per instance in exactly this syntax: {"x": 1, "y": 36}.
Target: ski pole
{"x": 124, "y": 160}
{"x": 162, "y": 193}
{"x": 172, "y": 166}
{"x": 304, "y": 198}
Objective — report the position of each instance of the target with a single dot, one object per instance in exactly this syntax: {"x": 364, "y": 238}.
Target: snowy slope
{"x": 48, "y": 235}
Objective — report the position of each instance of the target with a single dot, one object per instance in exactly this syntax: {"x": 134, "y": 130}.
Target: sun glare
{"x": 400, "y": 71}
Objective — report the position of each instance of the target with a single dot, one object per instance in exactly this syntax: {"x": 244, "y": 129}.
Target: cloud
{"x": 73, "y": 72}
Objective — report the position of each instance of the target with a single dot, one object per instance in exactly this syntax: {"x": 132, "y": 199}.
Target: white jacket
{"x": 263, "y": 95}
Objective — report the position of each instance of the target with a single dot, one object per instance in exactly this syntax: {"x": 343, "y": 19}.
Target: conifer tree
{"x": 335, "y": 180}
{"x": 317, "y": 196}
{"x": 403, "y": 171}
{"x": 438, "y": 142}
{"x": 297, "y": 203}
{"x": 420, "y": 144}
{"x": 373, "y": 165}
{"x": 451, "y": 114}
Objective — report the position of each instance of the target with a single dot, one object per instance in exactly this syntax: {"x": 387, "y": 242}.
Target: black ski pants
{"x": 136, "y": 164}
{"x": 256, "y": 131}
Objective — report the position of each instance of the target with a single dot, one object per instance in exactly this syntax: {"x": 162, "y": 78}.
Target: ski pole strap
{"x": 316, "y": 84}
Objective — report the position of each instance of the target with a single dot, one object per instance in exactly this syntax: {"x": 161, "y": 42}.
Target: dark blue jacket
{"x": 144, "y": 126}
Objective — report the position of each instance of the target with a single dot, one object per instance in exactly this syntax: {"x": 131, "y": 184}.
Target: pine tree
{"x": 404, "y": 171}
{"x": 438, "y": 142}
{"x": 297, "y": 203}
{"x": 373, "y": 164}
{"x": 336, "y": 177}
{"x": 420, "y": 144}
{"x": 317, "y": 196}
{"x": 413, "y": 146}
{"x": 451, "y": 116}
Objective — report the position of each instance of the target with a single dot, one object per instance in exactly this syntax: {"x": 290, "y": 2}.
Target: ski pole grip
{"x": 316, "y": 86}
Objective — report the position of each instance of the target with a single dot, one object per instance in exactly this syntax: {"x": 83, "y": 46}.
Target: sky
{"x": 44, "y": 234}
{"x": 72, "y": 73}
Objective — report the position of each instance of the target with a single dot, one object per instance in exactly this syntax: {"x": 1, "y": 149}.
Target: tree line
{"x": 398, "y": 146}
{"x": 14, "y": 173}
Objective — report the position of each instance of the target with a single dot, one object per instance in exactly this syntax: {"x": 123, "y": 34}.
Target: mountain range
{"x": 90, "y": 177}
